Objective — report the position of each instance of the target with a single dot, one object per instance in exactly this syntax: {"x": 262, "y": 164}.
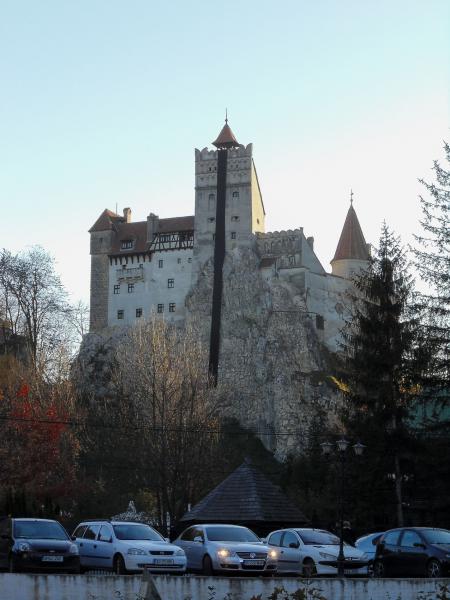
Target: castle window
{"x": 320, "y": 323}
{"x": 213, "y": 236}
{"x": 138, "y": 312}
{"x": 120, "y": 314}
{"x": 211, "y": 219}
{"x": 126, "y": 244}
{"x": 172, "y": 307}
{"x": 179, "y": 261}
{"x": 292, "y": 260}
{"x": 235, "y": 195}
{"x": 130, "y": 288}
{"x": 211, "y": 202}
{"x": 233, "y": 235}
{"x": 117, "y": 289}
{"x": 160, "y": 308}
{"x": 190, "y": 260}
{"x": 235, "y": 218}
{"x": 160, "y": 264}
{"x": 171, "y": 283}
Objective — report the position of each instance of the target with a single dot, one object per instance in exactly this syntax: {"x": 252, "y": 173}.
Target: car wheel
{"x": 207, "y": 566}
{"x": 119, "y": 565}
{"x": 309, "y": 568}
{"x": 434, "y": 568}
{"x": 379, "y": 569}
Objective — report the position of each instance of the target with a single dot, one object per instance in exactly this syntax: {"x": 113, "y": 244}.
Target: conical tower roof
{"x": 351, "y": 245}
{"x": 226, "y": 138}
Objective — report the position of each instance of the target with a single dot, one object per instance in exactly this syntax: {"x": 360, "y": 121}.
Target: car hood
{"x": 349, "y": 551}
{"x": 241, "y": 546}
{"x": 45, "y": 545}
{"x": 149, "y": 545}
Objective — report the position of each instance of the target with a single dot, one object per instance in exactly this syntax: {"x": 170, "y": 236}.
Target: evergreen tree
{"x": 382, "y": 370}
{"x": 432, "y": 260}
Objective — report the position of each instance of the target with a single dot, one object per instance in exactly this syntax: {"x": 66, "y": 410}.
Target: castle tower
{"x": 244, "y": 208}
{"x": 352, "y": 252}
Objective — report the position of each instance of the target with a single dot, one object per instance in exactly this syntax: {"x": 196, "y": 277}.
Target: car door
{"x": 289, "y": 552}
{"x": 185, "y": 541}
{"x": 412, "y": 555}
{"x": 274, "y": 540}
{"x": 88, "y": 546}
{"x": 197, "y": 548}
{"x": 388, "y": 551}
{"x": 5, "y": 541}
{"x": 104, "y": 551}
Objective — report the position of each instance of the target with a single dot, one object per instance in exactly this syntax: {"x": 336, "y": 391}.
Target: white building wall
{"x": 150, "y": 287}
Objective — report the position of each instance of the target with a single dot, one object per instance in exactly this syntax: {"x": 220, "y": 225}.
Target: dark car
{"x": 36, "y": 545}
{"x": 413, "y": 551}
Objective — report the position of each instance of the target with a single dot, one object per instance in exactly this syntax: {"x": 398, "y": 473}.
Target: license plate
{"x": 254, "y": 563}
{"x": 52, "y": 558}
{"x": 163, "y": 561}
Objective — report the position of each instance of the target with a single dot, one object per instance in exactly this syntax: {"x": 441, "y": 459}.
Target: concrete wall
{"x": 107, "y": 587}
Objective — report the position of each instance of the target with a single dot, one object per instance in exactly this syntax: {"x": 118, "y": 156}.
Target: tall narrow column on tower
{"x": 223, "y": 143}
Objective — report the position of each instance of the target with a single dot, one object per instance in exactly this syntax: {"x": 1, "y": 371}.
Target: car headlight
{"x": 273, "y": 554}
{"x": 179, "y": 552}
{"x": 24, "y": 547}
{"x": 327, "y": 556}
{"x": 73, "y": 549}
{"x": 225, "y": 553}
{"x": 136, "y": 551}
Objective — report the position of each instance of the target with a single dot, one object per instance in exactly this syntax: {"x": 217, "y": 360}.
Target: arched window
{"x": 211, "y": 202}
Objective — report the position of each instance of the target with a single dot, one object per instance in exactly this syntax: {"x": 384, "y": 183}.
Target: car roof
{"x": 219, "y": 525}
{"x": 34, "y": 520}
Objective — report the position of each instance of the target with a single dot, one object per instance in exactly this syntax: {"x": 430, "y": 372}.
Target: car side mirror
{"x": 167, "y": 540}
{"x": 263, "y": 540}
{"x": 198, "y": 538}
{"x": 73, "y": 537}
{"x": 294, "y": 545}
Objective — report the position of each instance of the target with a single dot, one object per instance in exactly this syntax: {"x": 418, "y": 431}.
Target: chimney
{"x": 152, "y": 227}
{"x": 310, "y": 241}
{"x": 127, "y": 215}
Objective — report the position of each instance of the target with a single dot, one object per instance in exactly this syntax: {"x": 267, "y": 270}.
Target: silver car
{"x": 226, "y": 548}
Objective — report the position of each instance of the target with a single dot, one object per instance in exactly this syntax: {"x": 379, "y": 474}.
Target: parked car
{"x": 368, "y": 545}
{"x": 413, "y": 551}
{"x": 36, "y": 545}
{"x": 226, "y": 548}
{"x": 124, "y": 546}
{"x": 308, "y": 552}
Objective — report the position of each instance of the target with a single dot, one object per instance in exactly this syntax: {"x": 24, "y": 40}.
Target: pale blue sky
{"x": 103, "y": 102}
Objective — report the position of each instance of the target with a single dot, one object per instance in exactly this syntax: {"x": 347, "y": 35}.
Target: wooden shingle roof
{"x": 246, "y": 496}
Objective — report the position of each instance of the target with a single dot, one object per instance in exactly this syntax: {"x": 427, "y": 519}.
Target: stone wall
{"x": 106, "y": 587}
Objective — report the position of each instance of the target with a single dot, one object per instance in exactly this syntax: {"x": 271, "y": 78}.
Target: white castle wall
{"x": 150, "y": 286}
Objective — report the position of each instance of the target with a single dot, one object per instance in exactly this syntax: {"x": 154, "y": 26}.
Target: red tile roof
{"x": 226, "y": 138}
{"x": 106, "y": 221}
{"x": 352, "y": 244}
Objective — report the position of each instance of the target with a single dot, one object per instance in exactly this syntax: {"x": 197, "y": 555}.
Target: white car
{"x": 306, "y": 552}
{"x": 124, "y": 546}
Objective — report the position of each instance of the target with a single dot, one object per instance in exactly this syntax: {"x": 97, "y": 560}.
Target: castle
{"x": 272, "y": 280}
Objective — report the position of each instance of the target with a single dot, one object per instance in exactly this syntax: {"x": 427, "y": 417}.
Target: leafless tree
{"x": 163, "y": 372}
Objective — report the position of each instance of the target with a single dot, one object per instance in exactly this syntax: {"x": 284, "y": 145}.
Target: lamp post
{"x": 327, "y": 449}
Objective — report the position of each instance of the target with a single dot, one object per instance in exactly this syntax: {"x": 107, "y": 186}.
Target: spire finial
{"x": 226, "y": 115}
{"x": 351, "y": 197}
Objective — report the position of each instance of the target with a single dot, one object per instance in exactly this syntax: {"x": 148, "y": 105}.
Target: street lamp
{"x": 327, "y": 449}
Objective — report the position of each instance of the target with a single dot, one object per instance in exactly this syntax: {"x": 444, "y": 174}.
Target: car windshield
{"x": 320, "y": 538}
{"x": 39, "y": 530}
{"x": 437, "y": 536}
{"x": 137, "y": 532}
{"x": 231, "y": 534}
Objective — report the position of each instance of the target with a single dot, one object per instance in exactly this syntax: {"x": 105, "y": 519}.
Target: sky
{"x": 103, "y": 102}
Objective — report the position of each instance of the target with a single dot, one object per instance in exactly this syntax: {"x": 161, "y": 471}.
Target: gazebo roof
{"x": 246, "y": 496}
